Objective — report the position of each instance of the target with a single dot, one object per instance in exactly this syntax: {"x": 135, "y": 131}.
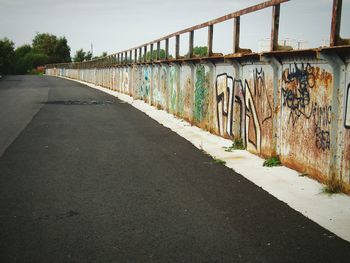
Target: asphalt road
{"x": 87, "y": 178}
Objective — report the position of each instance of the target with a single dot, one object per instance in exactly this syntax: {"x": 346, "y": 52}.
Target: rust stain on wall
{"x": 306, "y": 117}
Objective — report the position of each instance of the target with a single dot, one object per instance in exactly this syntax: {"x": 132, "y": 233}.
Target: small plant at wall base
{"x": 219, "y": 161}
{"x": 334, "y": 186}
{"x": 272, "y": 162}
{"x": 236, "y": 145}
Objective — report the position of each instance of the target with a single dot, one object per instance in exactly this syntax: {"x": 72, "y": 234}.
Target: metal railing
{"x": 139, "y": 54}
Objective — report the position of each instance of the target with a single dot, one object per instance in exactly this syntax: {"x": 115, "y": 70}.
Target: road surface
{"x": 85, "y": 177}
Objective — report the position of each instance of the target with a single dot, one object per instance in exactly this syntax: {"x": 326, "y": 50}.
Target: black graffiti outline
{"x": 346, "y": 107}
{"x": 249, "y": 110}
{"x": 242, "y": 108}
{"x": 239, "y": 91}
{"x": 322, "y": 115}
{"x": 260, "y": 76}
{"x": 220, "y": 98}
{"x": 298, "y": 99}
{"x": 323, "y": 141}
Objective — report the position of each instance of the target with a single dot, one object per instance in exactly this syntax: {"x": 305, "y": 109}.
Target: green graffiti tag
{"x": 201, "y": 94}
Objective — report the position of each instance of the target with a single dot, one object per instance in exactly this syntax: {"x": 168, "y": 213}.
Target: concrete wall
{"x": 296, "y": 106}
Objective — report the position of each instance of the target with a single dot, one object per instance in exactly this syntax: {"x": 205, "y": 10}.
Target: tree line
{"x": 45, "y": 49}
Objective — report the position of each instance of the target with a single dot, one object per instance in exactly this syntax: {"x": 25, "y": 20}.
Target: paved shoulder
{"x": 21, "y": 97}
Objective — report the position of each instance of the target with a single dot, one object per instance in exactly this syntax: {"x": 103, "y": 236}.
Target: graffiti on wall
{"x": 184, "y": 103}
{"x": 201, "y": 99}
{"x": 347, "y": 109}
{"x": 298, "y": 83}
{"x": 163, "y": 85}
{"x": 173, "y": 77}
{"x": 322, "y": 120}
{"x": 125, "y": 81}
{"x": 235, "y": 94}
{"x": 146, "y": 82}
{"x": 224, "y": 103}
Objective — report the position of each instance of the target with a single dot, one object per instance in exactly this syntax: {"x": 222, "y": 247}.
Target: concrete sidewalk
{"x": 303, "y": 194}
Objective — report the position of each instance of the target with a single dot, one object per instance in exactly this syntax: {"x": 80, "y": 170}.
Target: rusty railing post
{"x": 190, "y": 48}
{"x": 336, "y": 20}
{"x": 210, "y": 40}
{"x": 158, "y": 50}
{"x": 275, "y": 27}
{"x": 236, "y": 33}
{"x": 177, "y": 46}
{"x": 145, "y": 53}
{"x": 151, "y": 53}
{"x": 167, "y": 49}
{"x": 140, "y": 55}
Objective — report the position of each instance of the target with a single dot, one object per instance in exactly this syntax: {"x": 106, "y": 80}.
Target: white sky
{"x": 115, "y": 25}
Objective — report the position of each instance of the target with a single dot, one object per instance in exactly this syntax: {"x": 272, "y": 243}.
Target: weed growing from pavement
{"x": 236, "y": 145}
{"x": 219, "y": 161}
{"x": 333, "y": 186}
{"x": 272, "y": 162}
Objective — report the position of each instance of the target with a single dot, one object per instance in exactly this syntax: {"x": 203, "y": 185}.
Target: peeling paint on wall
{"x": 185, "y": 104}
{"x": 163, "y": 87}
{"x": 306, "y": 113}
{"x": 173, "y": 79}
{"x": 156, "y": 92}
{"x": 125, "y": 82}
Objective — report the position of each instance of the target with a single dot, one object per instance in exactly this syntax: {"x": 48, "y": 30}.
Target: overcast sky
{"x": 115, "y": 25}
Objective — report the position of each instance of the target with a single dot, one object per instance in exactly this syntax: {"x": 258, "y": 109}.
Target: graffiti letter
{"x": 347, "y": 109}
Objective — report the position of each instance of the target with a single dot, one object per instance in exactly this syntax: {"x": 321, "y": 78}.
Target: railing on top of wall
{"x": 138, "y": 54}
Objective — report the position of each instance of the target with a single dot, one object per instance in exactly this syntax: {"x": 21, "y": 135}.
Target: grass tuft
{"x": 272, "y": 162}
{"x": 219, "y": 161}
{"x": 334, "y": 186}
{"x": 236, "y": 145}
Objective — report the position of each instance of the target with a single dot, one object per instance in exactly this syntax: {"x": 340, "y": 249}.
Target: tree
{"x": 199, "y": 51}
{"x": 6, "y": 55}
{"x": 33, "y": 60}
{"x": 62, "y": 51}
{"x": 104, "y": 54}
{"x": 81, "y": 55}
{"x": 154, "y": 54}
{"x": 20, "y": 65}
{"x": 55, "y": 48}
{"x": 88, "y": 56}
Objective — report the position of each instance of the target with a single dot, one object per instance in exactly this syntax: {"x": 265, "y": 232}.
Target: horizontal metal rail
{"x": 139, "y": 54}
